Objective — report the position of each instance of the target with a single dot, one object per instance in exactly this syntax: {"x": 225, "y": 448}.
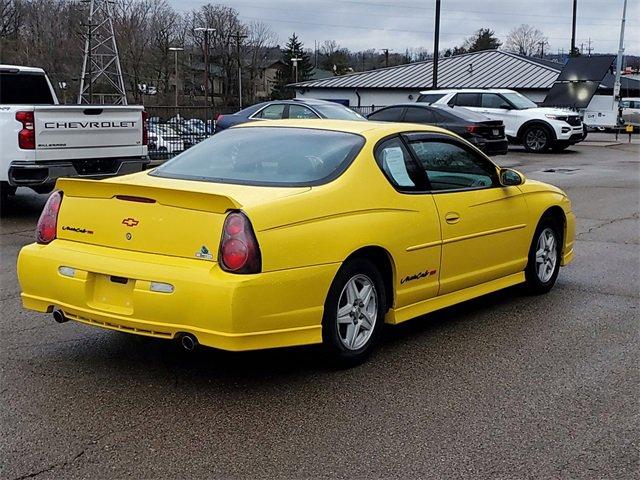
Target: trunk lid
{"x": 492, "y": 129}
{"x": 179, "y": 218}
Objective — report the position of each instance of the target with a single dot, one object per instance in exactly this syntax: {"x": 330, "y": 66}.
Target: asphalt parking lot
{"x": 506, "y": 386}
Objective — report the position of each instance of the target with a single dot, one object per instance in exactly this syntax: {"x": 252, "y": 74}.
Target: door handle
{"x": 452, "y": 217}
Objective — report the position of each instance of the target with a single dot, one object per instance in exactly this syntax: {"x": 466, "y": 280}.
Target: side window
{"x": 298, "y": 111}
{"x": 271, "y": 112}
{"x": 392, "y": 114}
{"x": 492, "y": 100}
{"x": 393, "y": 158}
{"x": 466, "y": 100}
{"x": 451, "y": 167}
{"x": 419, "y": 115}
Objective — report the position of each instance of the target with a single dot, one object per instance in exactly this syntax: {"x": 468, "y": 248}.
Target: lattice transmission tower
{"x": 101, "y": 81}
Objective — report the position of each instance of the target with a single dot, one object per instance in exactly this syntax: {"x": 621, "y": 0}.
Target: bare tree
{"x": 259, "y": 38}
{"x": 524, "y": 40}
{"x": 10, "y": 17}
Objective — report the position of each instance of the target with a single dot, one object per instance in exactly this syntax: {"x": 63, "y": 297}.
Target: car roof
{"x": 468, "y": 90}
{"x": 348, "y": 126}
{"x": 22, "y": 69}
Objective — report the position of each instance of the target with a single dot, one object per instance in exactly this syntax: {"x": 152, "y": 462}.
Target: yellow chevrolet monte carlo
{"x": 292, "y": 233}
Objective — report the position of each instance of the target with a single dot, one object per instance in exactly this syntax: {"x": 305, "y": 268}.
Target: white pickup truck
{"x": 41, "y": 140}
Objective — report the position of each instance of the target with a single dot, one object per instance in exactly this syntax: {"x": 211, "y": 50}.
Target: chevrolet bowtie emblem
{"x": 130, "y": 222}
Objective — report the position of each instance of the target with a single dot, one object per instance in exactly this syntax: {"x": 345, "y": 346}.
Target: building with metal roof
{"x": 486, "y": 69}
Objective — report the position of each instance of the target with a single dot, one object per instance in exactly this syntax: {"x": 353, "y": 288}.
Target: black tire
{"x": 537, "y": 138}
{"x": 339, "y": 354}
{"x": 534, "y": 283}
{"x": 560, "y": 147}
{"x": 6, "y": 191}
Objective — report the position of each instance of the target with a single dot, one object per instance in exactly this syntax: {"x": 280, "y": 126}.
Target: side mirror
{"x": 510, "y": 178}
{"x": 506, "y": 106}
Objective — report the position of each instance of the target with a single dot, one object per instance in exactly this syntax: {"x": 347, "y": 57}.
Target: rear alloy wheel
{"x": 536, "y": 139}
{"x": 354, "y": 312}
{"x": 544, "y": 257}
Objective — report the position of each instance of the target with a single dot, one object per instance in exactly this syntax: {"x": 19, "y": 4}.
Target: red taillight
{"x": 26, "y": 136}
{"x": 219, "y": 117}
{"x": 239, "y": 251}
{"x": 473, "y": 128}
{"x": 145, "y": 130}
{"x": 48, "y": 221}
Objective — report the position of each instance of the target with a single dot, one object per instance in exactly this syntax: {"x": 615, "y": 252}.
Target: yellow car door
{"x": 417, "y": 251}
{"x": 483, "y": 223}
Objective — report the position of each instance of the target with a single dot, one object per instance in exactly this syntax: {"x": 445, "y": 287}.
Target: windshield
{"x": 266, "y": 156}
{"x": 338, "y": 112}
{"x": 519, "y": 101}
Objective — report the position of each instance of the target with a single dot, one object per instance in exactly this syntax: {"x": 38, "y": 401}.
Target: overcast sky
{"x": 363, "y": 24}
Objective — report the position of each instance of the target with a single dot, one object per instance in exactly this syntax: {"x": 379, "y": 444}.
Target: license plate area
{"x": 111, "y": 293}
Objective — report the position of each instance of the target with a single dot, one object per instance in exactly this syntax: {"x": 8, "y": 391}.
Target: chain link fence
{"x": 173, "y": 130}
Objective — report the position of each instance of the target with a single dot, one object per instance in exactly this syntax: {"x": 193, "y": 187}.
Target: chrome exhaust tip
{"x": 188, "y": 342}
{"x": 58, "y": 316}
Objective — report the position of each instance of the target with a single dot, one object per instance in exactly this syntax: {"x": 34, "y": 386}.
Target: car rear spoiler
{"x": 175, "y": 197}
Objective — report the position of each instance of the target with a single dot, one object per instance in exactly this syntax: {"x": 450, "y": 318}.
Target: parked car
{"x": 41, "y": 140}
{"x": 631, "y": 112}
{"x": 537, "y": 128}
{"x": 166, "y": 139}
{"x": 298, "y": 108}
{"x": 370, "y": 223}
{"x": 479, "y": 130}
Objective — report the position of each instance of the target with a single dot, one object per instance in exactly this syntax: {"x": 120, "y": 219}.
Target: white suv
{"x": 537, "y": 128}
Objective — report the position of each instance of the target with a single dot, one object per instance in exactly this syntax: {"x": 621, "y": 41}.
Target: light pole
{"x": 175, "y": 50}
{"x": 239, "y": 38}
{"x": 206, "y": 31}
{"x": 436, "y": 47}
{"x": 295, "y": 61}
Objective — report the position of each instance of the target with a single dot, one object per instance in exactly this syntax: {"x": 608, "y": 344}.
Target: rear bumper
{"x": 223, "y": 310}
{"x": 29, "y": 174}
{"x": 492, "y": 147}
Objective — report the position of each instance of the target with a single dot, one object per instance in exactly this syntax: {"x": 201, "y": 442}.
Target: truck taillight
{"x": 26, "y": 136}
{"x": 48, "y": 222}
{"x": 145, "y": 129}
{"x": 239, "y": 250}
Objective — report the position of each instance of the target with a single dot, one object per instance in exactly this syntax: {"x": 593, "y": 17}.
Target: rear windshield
{"x": 24, "y": 89}
{"x": 277, "y": 156}
{"x": 430, "y": 97}
{"x": 338, "y": 112}
{"x": 464, "y": 114}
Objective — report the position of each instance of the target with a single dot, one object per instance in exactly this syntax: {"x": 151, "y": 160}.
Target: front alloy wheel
{"x": 544, "y": 256}
{"x": 536, "y": 139}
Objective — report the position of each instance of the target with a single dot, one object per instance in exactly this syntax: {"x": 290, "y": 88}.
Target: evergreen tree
{"x": 293, "y": 49}
{"x": 483, "y": 39}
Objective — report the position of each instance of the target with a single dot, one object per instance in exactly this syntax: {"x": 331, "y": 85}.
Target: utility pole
{"x": 239, "y": 36}
{"x": 175, "y": 50}
{"x": 436, "y": 47}
{"x": 541, "y": 45}
{"x": 386, "y": 56}
{"x": 616, "y": 85}
{"x": 206, "y": 31}
{"x": 589, "y": 47}
{"x": 573, "y": 52}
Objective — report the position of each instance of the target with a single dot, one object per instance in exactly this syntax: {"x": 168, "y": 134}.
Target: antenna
{"x": 101, "y": 80}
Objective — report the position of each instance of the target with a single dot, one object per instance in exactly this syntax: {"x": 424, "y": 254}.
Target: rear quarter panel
{"x": 359, "y": 209}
